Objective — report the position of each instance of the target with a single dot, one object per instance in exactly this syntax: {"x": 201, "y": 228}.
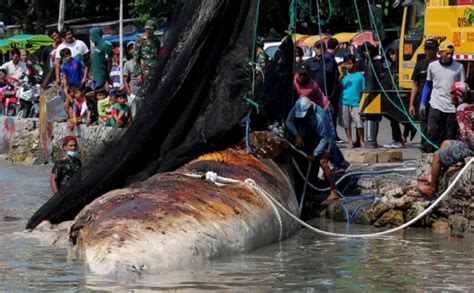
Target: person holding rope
{"x": 452, "y": 151}
{"x": 306, "y": 122}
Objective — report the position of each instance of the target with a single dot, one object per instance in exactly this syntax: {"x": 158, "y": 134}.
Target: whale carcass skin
{"x": 172, "y": 219}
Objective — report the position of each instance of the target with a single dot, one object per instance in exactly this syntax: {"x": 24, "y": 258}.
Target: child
{"x": 69, "y": 103}
{"x": 103, "y": 105}
{"x": 353, "y": 83}
{"x": 122, "y": 116}
{"x": 79, "y": 110}
{"x": 90, "y": 106}
{"x": 72, "y": 69}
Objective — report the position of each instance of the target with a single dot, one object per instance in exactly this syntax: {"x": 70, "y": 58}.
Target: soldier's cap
{"x": 431, "y": 44}
{"x": 150, "y": 24}
{"x": 303, "y": 69}
{"x": 446, "y": 46}
{"x": 301, "y": 107}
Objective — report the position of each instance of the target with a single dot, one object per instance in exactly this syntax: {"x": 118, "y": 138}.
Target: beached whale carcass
{"x": 173, "y": 219}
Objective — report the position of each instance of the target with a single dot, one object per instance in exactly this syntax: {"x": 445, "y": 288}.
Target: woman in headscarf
{"x": 67, "y": 167}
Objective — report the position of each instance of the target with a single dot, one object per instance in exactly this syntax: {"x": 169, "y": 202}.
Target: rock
{"x": 424, "y": 164}
{"x": 412, "y": 212}
{"x": 440, "y": 227}
{"x": 391, "y": 218}
{"x": 458, "y": 224}
{"x": 397, "y": 192}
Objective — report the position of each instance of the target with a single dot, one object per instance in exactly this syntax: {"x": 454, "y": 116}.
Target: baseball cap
{"x": 131, "y": 43}
{"x": 431, "y": 44}
{"x": 301, "y": 106}
{"x": 303, "y": 69}
{"x": 446, "y": 46}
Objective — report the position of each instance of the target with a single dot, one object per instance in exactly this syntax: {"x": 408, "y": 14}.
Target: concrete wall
{"x": 20, "y": 139}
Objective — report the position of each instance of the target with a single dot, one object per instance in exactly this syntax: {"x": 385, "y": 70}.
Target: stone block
{"x": 361, "y": 156}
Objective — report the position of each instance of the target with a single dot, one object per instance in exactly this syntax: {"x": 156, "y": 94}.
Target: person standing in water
{"x": 67, "y": 167}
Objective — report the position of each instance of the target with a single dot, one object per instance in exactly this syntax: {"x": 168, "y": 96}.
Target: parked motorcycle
{"x": 9, "y": 102}
{"x": 29, "y": 95}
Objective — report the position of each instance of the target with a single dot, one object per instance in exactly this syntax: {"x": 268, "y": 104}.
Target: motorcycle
{"x": 9, "y": 102}
{"x": 29, "y": 95}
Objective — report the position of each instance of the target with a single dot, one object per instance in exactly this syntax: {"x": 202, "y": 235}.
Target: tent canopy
{"x": 29, "y": 42}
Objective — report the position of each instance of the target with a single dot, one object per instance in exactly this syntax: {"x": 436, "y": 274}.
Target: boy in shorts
{"x": 353, "y": 82}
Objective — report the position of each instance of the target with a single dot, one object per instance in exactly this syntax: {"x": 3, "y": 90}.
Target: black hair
{"x": 299, "y": 51}
{"x": 65, "y": 52}
{"x": 51, "y": 31}
{"x": 318, "y": 44}
{"x": 15, "y": 51}
{"x": 369, "y": 48}
{"x": 66, "y": 30}
{"x": 120, "y": 93}
{"x": 260, "y": 42}
{"x": 350, "y": 57}
{"x": 333, "y": 43}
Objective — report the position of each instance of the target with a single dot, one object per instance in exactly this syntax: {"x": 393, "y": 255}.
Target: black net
{"x": 194, "y": 108}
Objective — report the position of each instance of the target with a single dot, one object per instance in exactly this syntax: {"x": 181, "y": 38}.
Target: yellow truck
{"x": 441, "y": 20}
{"x": 438, "y": 19}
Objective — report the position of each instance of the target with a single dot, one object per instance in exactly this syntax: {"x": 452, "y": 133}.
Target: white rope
{"x": 438, "y": 200}
{"x": 251, "y": 183}
{"x": 222, "y": 181}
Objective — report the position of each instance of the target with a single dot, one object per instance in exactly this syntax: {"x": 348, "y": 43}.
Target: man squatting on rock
{"x": 453, "y": 151}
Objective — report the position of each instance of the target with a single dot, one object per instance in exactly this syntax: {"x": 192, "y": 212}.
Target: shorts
{"x": 349, "y": 115}
{"x": 456, "y": 151}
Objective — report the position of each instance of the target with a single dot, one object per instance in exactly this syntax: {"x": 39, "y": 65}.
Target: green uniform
{"x": 101, "y": 55}
{"x": 65, "y": 169}
{"x": 146, "y": 55}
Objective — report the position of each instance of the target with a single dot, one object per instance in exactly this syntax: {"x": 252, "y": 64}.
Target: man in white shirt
{"x": 15, "y": 68}
{"x": 441, "y": 75}
{"x": 77, "y": 47}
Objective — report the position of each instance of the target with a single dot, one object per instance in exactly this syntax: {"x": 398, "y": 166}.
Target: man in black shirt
{"x": 419, "y": 77}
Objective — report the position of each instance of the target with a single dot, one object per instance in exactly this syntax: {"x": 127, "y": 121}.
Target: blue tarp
{"x": 126, "y": 38}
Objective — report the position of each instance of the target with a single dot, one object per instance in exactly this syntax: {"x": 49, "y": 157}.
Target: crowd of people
{"x": 91, "y": 79}
{"x": 329, "y": 96}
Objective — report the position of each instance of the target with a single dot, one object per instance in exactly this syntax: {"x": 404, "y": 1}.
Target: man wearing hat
{"x": 306, "y": 122}
{"x": 100, "y": 61}
{"x": 441, "y": 75}
{"x": 419, "y": 78}
{"x": 147, "y": 49}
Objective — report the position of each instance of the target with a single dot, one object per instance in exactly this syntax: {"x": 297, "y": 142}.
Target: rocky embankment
{"x": 396, "y": 201}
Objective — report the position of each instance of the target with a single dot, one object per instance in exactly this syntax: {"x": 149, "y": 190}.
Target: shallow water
{"x": 410, "y": 260}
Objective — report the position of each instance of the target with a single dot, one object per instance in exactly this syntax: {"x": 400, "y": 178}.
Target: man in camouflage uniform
{"x": 146, "y": 55}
